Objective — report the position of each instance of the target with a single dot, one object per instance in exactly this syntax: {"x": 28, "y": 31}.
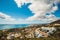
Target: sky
{"x": 29, "y": 11}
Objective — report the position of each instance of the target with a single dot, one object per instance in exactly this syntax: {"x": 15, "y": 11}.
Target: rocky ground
{"x": 34, "y": 32}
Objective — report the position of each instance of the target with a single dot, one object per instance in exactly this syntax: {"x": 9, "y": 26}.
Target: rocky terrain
{"x": 34, "y": 32}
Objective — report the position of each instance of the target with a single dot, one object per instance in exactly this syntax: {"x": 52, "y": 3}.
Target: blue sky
{"x": 57, "y": 13}
{"x": 9, "y": 7}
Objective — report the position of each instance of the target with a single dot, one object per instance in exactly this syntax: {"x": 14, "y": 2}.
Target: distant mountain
{"x": 57, "y": 22}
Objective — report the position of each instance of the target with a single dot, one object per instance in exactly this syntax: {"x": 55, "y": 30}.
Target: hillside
{"x": 57, "y": 22}
{"x": 33, "y": 32}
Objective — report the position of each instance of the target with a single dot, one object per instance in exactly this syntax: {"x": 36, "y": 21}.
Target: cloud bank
{"x": 6, "y": 17}
{"x": 41, "y": 8}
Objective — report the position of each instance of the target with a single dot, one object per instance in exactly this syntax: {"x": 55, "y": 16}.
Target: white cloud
{"x": 40, "y": 8}
{"x": 6, "y": 17}
{"x": 21, "y": 2}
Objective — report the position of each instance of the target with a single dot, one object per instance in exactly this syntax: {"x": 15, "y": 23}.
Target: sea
{"x": 10, "y": 26}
